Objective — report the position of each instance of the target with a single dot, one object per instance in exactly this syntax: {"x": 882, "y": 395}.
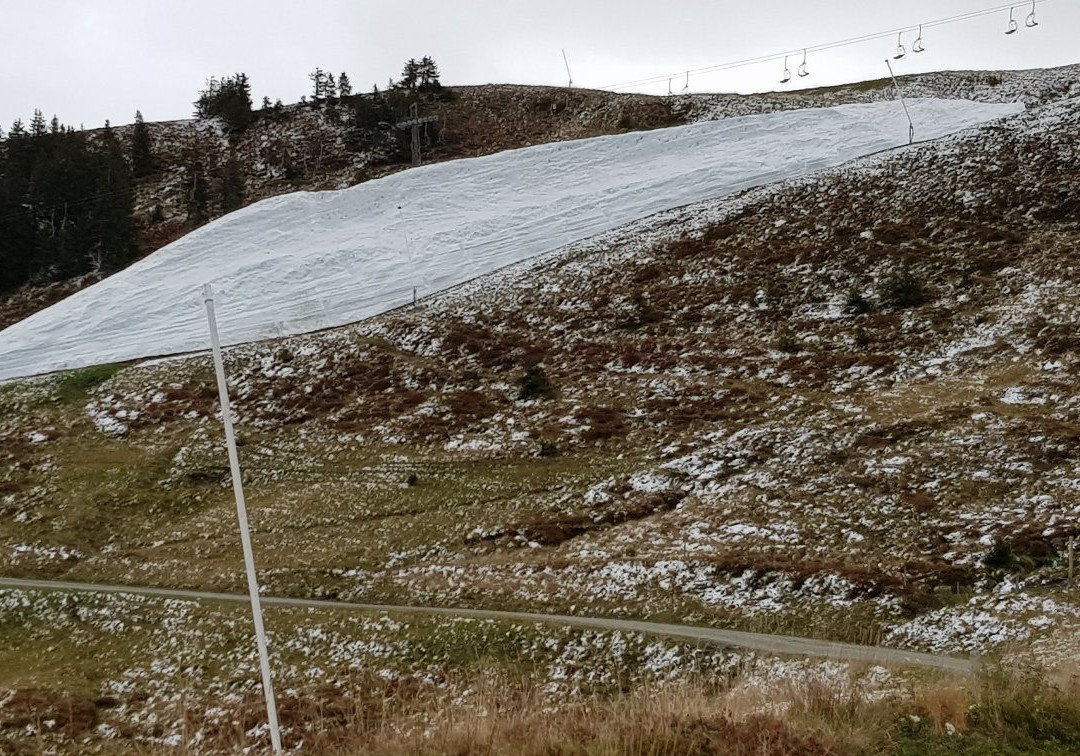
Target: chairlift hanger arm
{"x": 1012, "y": 23}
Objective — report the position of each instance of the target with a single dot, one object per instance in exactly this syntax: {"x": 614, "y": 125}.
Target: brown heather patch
{"x": 562, "y": 527}
{"x": 504, "y": 350}
{"x": 14, "y": 443}
{"x": 596, "y": 355}
{"x": 48, "y": 711}
{"x": 1053, "y": 338}
{"x": 199, "y": 396}
{"x": 603, "y": 423}
{"x": 913, "y": 581}
{"x": 685, "y": 412}
{"x": 10, "y": 487}
{"x": 470, "y": 405}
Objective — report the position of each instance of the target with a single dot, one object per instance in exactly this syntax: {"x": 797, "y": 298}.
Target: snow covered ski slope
{"x": 306, "y": 261}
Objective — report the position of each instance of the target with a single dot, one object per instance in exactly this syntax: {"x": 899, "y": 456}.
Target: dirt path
{"x": 772, "y": 644}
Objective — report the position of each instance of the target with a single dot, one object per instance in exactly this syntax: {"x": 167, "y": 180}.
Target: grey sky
{"x": 91, "y": 60}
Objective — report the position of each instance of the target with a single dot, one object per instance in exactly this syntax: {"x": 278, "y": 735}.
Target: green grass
{"x": 1019, "y": 724}
{"x": 316, "y": 506}
{"x": 76, "y": 386}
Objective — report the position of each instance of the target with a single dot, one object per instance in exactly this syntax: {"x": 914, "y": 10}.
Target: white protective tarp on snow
{"x": 306, "y": 261}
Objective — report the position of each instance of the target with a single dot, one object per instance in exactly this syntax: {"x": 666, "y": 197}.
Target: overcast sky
{"x": 91, "y": 60}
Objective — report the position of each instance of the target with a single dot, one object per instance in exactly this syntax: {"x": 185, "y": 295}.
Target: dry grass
{"x": 944, "y": 704}
{"x": 488, "y": 713}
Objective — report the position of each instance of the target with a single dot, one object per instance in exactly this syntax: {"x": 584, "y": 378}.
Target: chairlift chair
{"x": 917, "y": 45}
{"x": 1012, "y": 23}
{"x": 802, "y": 66}
{"x": 787, "y": 72}
{"x": 1030, "y": 20}
{"x": 900, "y": 51}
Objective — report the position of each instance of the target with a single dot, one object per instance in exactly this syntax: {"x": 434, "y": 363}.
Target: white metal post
{"x": 241, "y": 516}
{"x": 900, "y": 94}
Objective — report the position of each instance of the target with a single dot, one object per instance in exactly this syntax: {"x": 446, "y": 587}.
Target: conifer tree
{"x": 318, "y": 85}
{"x": 410, "y": 75}
{"x": 228, "y": 98}
{"x": 232, "y": 184}
{"x": 428, "y": 74}
{"x": 37, "y": 124}
{"x": 344, "y": 85}
{"x": 198, "y": 193}
{"x": 142, "y": 156}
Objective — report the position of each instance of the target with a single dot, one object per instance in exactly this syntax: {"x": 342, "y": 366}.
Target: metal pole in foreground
{"x": 241, "y": 516}
{"x": 911, "y": 125}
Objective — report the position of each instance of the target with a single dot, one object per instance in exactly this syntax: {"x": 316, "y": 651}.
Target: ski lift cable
{"x": 827, "y": 45}
{"x": 824, "y": 46}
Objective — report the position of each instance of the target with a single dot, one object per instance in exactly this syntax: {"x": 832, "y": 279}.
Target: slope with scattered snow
{"x": 307, "y": 261}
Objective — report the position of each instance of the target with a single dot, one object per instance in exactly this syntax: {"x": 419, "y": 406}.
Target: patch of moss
{"x": 75, "y": 386}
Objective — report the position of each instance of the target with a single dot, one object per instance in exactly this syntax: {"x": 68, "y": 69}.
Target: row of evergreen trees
{"x": 65, "y": 203}
{"x": 229, "y": 97}
{"x": 417, "y": 76}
